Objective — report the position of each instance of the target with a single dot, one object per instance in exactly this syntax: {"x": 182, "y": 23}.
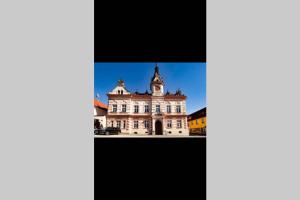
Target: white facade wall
{"x": 102, "y": 120}
{"x": 174, "y": 130}
{"x": 119, "y": 103}
{"x": 130, "y": 116}
{"x": 141, "y": 130}
{"x": 100, "y": 115}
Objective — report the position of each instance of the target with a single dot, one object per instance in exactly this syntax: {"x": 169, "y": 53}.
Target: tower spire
{"x": 156, "y": 68}
{"x": 156, "y": 77}
{"x": 157, "y": 82}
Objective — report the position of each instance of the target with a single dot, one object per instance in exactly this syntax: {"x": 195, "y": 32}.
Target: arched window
{"x": 118, "y": 91}
{"x": 121, "y": 91}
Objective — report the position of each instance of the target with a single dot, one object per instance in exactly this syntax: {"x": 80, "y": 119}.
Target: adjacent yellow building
{"x": 197, "y": 122}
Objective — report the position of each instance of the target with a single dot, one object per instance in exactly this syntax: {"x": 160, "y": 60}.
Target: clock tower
{"x": 157, "y": 84}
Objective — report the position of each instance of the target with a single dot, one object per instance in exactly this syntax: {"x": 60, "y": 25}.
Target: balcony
{"x": 158, "y": 113}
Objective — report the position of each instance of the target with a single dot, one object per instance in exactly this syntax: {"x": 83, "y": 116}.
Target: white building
{"x": 100, "y": 112}
{"x": 155, "y": 113}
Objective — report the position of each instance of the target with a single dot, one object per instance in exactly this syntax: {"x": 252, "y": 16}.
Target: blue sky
{"x": 190, "y": 78}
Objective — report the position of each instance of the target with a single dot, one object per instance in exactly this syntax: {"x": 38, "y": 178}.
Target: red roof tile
{"x": 100, "y": 104}
{"x": 173, "y": 96}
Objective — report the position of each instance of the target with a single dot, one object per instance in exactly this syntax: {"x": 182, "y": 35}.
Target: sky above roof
{"x": 190, "y": 78}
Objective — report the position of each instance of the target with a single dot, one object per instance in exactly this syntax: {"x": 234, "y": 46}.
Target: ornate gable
{"x": 120, "y": 88}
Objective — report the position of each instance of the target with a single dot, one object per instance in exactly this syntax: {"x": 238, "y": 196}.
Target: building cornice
{"x": 173, "y": 116}
{"x": 174, "y": 97}
{"x": 145, "y": 96}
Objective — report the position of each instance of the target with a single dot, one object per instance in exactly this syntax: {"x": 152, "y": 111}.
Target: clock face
{"x": 157, "y": 88}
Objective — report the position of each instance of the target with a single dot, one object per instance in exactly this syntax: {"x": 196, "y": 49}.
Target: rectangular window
{"x": 119, "y": 124}
{"x": 178, "y": 123}
{"x": 124, "y": 108}
{"x": 203, "y": 120}
{"x": 124, "y": 124}
{"x": 157, "y": 108}
{"x": 178, "y": 109}
{"x": 169, "y": 123}
{"x": 136, "y": 108}
{"x": 136, "y": 124}
{"x": 146, "y": 108}
{"x": 196, "y": 121}
{"x": 112, "y": 123}
{"x": 146, "y": 123}
{"x": 114, "y": 108}
{"x": 168, "y": 109}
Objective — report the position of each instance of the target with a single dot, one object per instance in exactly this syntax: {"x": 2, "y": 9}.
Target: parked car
{"x": 108, "y": 131}
{"x": 100, "y": 131}
{"x": 113, "y": 130}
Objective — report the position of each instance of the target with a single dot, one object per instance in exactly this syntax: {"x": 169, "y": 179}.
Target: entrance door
{"x": 158, "y": 128}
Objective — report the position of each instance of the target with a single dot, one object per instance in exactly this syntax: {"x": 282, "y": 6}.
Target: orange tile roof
{"x": 100, "y": 104}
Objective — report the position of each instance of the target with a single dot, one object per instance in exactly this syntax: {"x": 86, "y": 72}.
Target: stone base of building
{"x": 171, "y": 132}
